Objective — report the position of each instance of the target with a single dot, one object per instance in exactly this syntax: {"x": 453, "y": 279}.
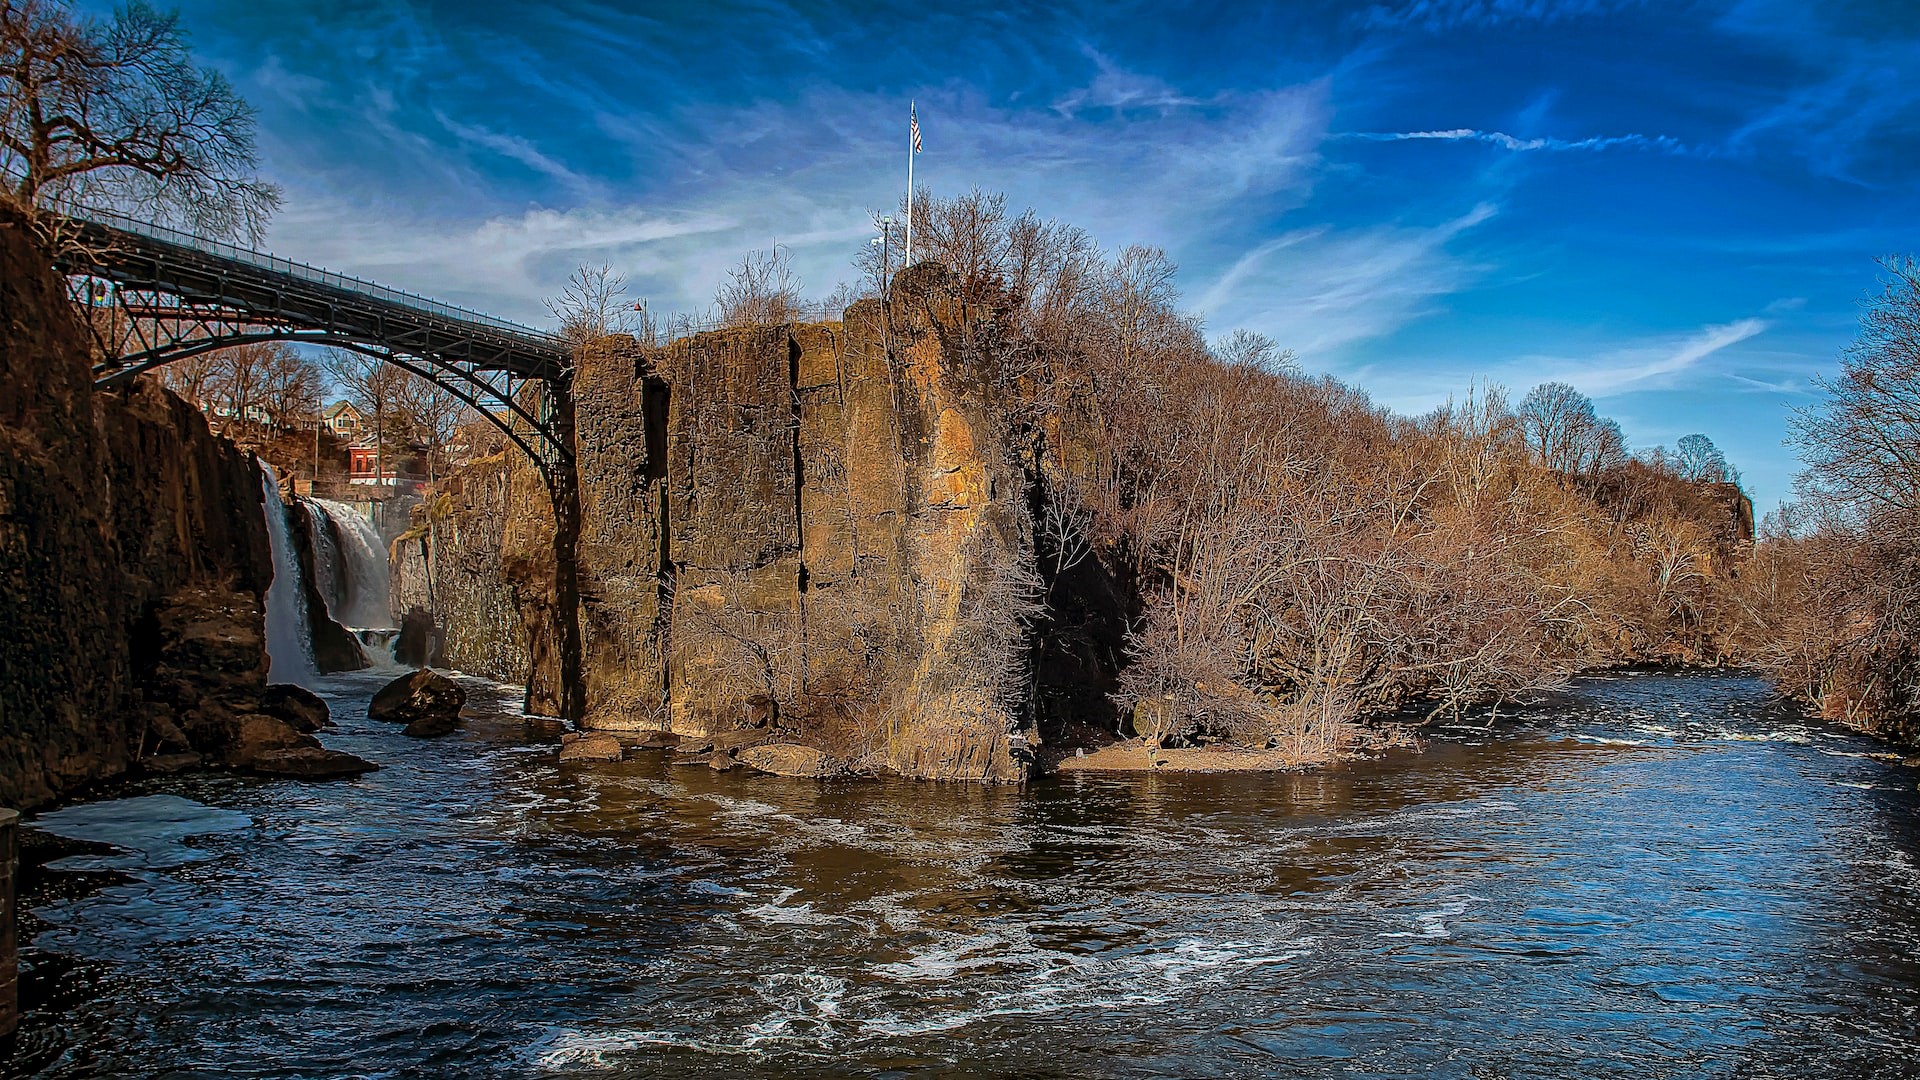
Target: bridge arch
{"x": 155, "y": 296}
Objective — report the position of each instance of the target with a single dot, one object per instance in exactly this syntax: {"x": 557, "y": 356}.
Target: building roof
{"x": 339, "y": 407}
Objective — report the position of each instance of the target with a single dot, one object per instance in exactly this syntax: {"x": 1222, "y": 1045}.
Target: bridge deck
{"x": 251, "y": 287}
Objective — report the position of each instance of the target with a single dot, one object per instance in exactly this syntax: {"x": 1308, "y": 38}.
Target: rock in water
{"x": 170, "y": 764}
{"x": 433, "y": 726}
{"x": 414, "y": 648}
{"x": 297, "y": 705}
{"x": 412, "y": 698}
{"x": 310, "y": 763}
{"x": 790, "y": 759}
{"x": 591, "y": 748}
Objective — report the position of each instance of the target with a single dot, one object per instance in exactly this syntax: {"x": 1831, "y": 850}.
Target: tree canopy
{"x": 115, "y": 113}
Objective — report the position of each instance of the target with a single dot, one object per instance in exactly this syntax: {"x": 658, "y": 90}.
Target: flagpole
{"x": 909, "y": 187}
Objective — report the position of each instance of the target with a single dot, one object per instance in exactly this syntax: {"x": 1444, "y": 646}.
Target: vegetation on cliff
{"x": 1288, "y": 558}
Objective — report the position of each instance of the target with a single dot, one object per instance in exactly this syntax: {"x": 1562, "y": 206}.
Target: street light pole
{"x": 884, "y": 241}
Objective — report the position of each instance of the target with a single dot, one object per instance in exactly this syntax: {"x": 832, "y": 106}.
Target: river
{"x": 1654, "y": 875}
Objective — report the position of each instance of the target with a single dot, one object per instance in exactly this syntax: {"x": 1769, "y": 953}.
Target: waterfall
{"x": 355, "y": 581}
{"x": 289, "y": 657}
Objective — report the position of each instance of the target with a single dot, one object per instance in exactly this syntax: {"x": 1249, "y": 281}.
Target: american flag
{"x": 913, "y": 115}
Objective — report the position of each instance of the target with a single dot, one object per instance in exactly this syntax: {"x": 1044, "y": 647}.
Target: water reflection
{"x": 1661, "y": 874}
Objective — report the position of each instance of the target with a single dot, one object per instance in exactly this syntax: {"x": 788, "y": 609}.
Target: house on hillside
{"x": 364, "y": 464}
{"x": 343, "y": 420}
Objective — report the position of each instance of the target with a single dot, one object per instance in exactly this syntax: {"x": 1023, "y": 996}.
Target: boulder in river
{"x": 433, "y": 725}
{"x": 414, "y": 647}
{"x": 297, "y": 705}
{"x": 310, "y": 763}
{"x": 171, "y": 764}
{"x": 237, "y": 738}
{"x": 591, "y": 748}
{"x": 790, "y": 759}
{"x": 416, "y": 696}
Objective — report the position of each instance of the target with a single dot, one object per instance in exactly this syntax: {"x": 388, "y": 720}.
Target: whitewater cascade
{"x": 352, "y": 573}
{"x": 289, "y": 654}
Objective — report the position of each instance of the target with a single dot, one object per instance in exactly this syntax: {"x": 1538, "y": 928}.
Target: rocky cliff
{"x": 478, "y": 558}
{"x": 817, "y": 531}
{"x": 133, "y": 546}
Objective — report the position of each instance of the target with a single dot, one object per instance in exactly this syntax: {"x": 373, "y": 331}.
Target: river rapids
{"x": 1651, "y": 876}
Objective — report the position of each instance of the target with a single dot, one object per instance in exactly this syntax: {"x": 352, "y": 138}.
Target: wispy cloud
{"x": 1319, "y": 290}
{"x": 1442, "y": 15}
{"x": 1622, "y": 369}
{"x": 1643, "y": 362}
{"x": 1118, "y": 89}
{"x": 505, "y": 265}
{"x": 1661, "y": 143}
{"x": 520, "y": 150}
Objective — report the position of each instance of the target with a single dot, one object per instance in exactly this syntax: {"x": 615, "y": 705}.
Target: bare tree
{"x": 761, "y": 291}
{"x": 1862, "y": 444}
{"x": 1565, "y": 433}
{"x": 1255, "y": 350}
{"x": 593, "y": 305}
{"x": 374, "y": 387}
{"x": 435, "y": 414}
{"x": 290, "y": 388}
{"x": 1697, "y": 459}
{"x": 238, "y": 383}
{"x": 191, "y": 378}
{"x": 116, "y": 113}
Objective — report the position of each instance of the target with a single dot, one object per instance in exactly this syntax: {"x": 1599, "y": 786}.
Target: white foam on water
{"x": 1601, "y": 740}
{"x": 1798, "y": 738}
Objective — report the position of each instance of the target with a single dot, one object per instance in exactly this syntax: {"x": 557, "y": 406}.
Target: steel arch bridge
{"x": 153, "y": 295}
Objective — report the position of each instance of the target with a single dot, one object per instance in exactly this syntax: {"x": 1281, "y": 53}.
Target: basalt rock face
{"x": 819, "y": 528}
{"x": 133, "y": 554}
{"x": 479, "y": 558}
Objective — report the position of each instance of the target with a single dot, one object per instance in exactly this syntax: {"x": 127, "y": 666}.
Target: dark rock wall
{"x": 480, "y": 558}
{"x": 108, "y": 503}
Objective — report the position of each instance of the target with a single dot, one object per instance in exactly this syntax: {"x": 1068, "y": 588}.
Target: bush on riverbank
{"x": 1832, "y": 607}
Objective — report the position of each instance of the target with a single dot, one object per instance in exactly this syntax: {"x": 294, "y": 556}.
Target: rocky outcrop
{"x": 790, "y": 759}
{"x": 424, "y": 698}
{"x": 133, "y": 562}
{"x": 479, "y": 558}
{"x": 298, "y": 706}
{"x": 579, "y": 746}
{"x": 821, "y": 534}
{"x": 819, "y": 528}
{"x": 206, "y": 695}
{"x": 418, "y": 644}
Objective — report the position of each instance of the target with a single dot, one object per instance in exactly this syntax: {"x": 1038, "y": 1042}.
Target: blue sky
{"x": 1673, "y": 206}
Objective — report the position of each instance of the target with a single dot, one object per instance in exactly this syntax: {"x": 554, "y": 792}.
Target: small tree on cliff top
{"x": 117, "y": 114}
{"x": 593, "y": 305}
{"x": 760, "y": 291}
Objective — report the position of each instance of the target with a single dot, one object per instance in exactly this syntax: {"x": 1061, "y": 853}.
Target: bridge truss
{"x": 153, "y": 295}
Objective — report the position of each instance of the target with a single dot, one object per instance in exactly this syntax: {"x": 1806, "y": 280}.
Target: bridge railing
{"x": 305, "y": 272}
